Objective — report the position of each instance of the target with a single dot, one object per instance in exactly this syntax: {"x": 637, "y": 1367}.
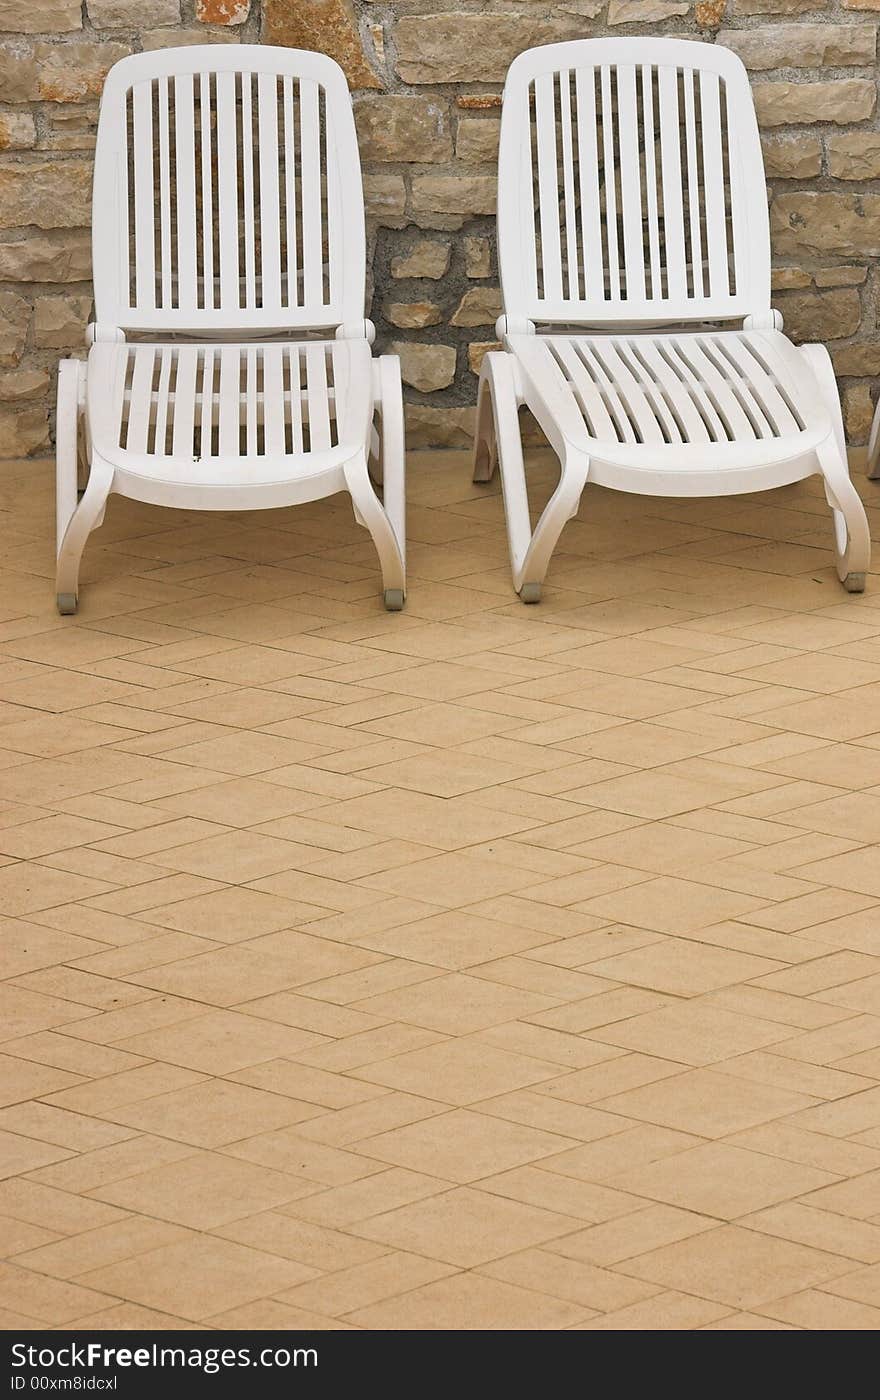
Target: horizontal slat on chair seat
{"x": 229, "y": 399}
{"x": 714, "y": 387}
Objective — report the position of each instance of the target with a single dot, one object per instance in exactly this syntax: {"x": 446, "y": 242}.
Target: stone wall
{"x": 427, "y": 80}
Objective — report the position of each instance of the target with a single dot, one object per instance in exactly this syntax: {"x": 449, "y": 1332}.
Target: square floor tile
{"x": 197, "y": 1277}
{"x": 718, "y": 1180}
{"x": 465, "y": 1227}
{"x": 739, "y": 1267}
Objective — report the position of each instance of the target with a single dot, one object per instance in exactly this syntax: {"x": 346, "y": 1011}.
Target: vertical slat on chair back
{"x": 631, "y": 185}
{"x": 227, "y": 193}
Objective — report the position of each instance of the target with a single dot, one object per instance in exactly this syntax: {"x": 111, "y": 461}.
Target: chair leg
{"x": 80, "y": 524}
{"x": 485, "y": 442}
{"x": 852, "y": 536}
{"x": 67, "y": 466}
{"x": 874, "y": 446}
{"x": 560, "y": 508}
{"x": 529, "y": 552}
{"x": 74, "y": 523}
{"x": 370, "y": 513}
{"x": 392, "y": 457}
{"x": 374, "y": 456}
{"x": 498, "y": 442}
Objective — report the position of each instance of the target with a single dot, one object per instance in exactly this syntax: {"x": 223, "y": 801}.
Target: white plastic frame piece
{"x": 229, "y": 365}
{"x": 633, "y": 230}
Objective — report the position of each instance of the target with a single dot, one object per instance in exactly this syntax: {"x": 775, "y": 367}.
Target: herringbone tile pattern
{"x": 480, "y": 966}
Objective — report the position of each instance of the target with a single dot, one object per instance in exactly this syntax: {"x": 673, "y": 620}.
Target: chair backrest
{"x": 227, "y": 194}
{"x": 631, "y": 185}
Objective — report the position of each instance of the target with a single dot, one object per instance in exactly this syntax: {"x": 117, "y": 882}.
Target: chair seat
{"x": 676, "y": 401}
{"x": 228, "y": 415}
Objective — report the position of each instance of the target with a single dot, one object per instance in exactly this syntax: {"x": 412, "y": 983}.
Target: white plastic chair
{"x": 229, "y": 365}
{"x": 632, "y": 208}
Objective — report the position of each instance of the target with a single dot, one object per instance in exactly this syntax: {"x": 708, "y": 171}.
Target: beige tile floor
{"x": 479, "y": 966}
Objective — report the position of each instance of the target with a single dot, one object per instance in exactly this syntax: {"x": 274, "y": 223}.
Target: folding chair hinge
{"x": 766, "y": 321}
{"x": 356, "y": 330}
{"x": 514, "y": 325}
{"x": 100, "y": 332}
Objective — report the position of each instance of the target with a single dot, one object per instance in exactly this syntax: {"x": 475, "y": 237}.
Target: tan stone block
{"x": 477, "y": 351}
{"x": 791, "y": 156}
{"x": 820, "y": 314}
{"x": 18, "y": 75}
{"x": 47, "y": 257}
{"x": 60, "y": 322}
{"x": 803, "y": 45}
{"x": 438, "y": 427}
{"x": 154, "y": 39}
{"x": 777, "y": 7}
{"x": 40, "y": 16}
{"x": 783, "y": 279}
{"x": 839, "y": 100}
{"x": 430, "y": 222}
{"x": 403, "y": 128}
{"x": 840, "y": 276}
{"x": 17, "y": 131}
{"x": 15, "y": 315}
{"x": 454, "y": 194}
{"x": 854, "y": 155}
{"x": 424, "y": 366}
{"x": 856, "y": 360}
{"x": 384, "y": 196}
{"x": 480, "y": 306}
{"x": 325, "y": 26}
{"x": 132, "y": 14}
{"x": 72, "y": 72}
{"x": 23, "y": 431}
{"x": 858, "y": 412}
{"x": 457, "y": 47}
{"x": 644, "y": 11}
{"x": 70, "y": 128}
{"x": 710, "y": 13}
{"x": 427, "y": 258}
{"x": 413, "y": 315}
{"x": 816, "y": 222}
{"x": 52, "y": 194}
{"x": 24, "y": 384}
{"x": 477, "y": 139}
{"x": 477, "y": 257}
